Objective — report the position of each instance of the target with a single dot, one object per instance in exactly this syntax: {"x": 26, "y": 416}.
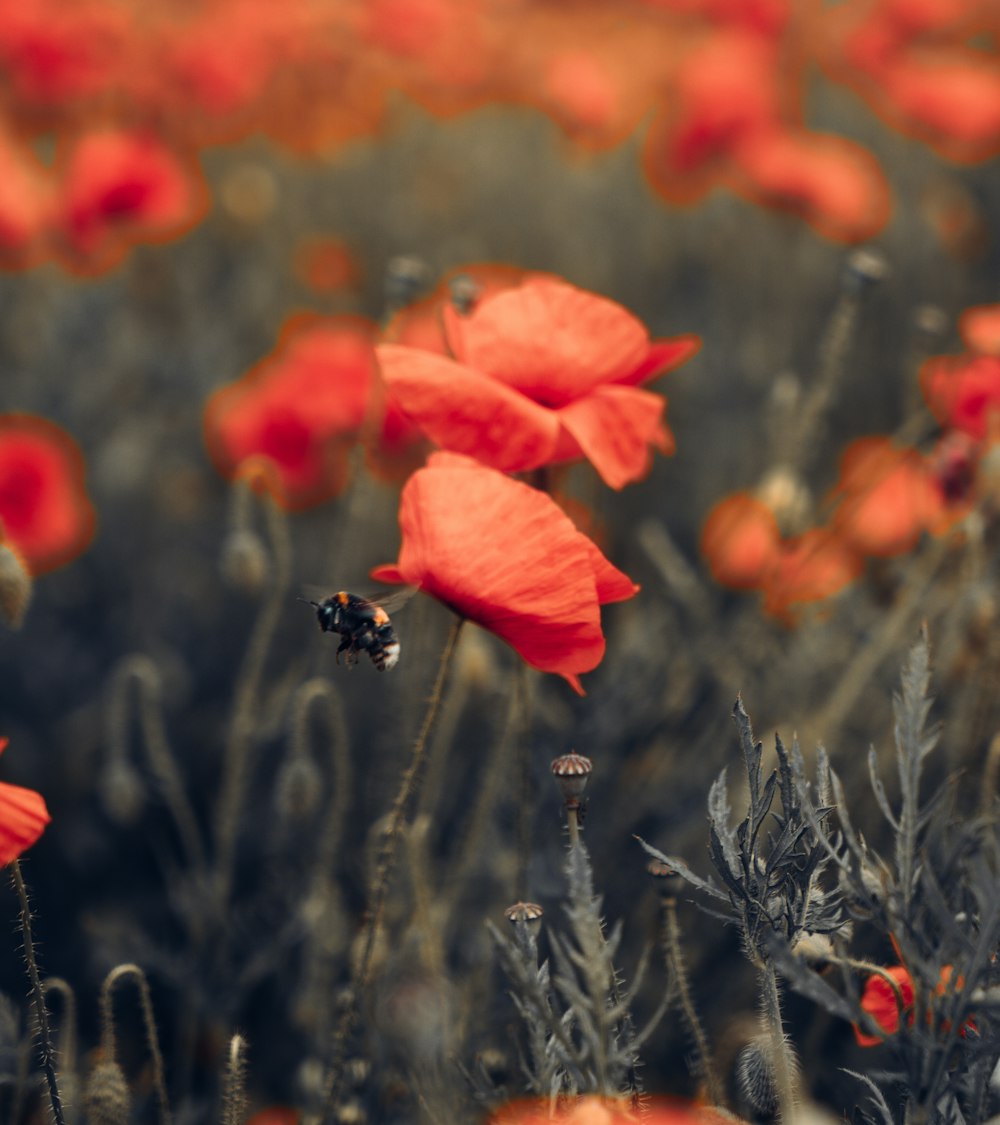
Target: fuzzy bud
{"x": 755, "y": 1082}
{"x": 122, "y": 792}
{"x": 244, "y": 561}
{"x": 864, "y": 268}
{"x": 15, "y": 586}
{"x": 298, "y": 790}
{"x": 106, "y": 1096}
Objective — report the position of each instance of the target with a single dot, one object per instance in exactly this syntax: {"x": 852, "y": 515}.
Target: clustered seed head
{"x": 523, "y": 912}
{"x": 571, "y": 772}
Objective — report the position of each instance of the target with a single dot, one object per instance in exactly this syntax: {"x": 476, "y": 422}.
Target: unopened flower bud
{"x": 106, "y": 1097}
{"x": 15, "y": 586}
{"x": 244, "y": 561}
{"x": 571, "y": 772}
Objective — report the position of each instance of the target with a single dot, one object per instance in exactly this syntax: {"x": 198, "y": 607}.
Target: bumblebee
{"x": 363, "y": 625}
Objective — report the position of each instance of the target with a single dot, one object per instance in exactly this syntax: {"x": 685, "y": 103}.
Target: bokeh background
{"x": 548, "y": 136}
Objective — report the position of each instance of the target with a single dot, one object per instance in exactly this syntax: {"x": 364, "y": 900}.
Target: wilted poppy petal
{"x": 614, "y": 427}
{"x": 23, "y": 817}
{"x": 460, "y": 409}
{"x": 505, "y": 556}
{"x": 549, "y": 340}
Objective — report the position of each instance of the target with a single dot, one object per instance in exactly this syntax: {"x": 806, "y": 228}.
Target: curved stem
{"x": 235, "y": 770}
{"x": 385, "y": 862}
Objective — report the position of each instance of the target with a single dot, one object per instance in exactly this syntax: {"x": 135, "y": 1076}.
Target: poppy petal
{"x": 505, "y": 556}
{"x": 549, "y": 340}
{"x": 614, "y": 427}
{"x": 664, "y": 355}
{"x": 23, "y": 817}
{"x": 462, "y": 410}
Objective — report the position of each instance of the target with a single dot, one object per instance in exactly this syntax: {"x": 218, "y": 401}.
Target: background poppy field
{"x": 215, "y": 218}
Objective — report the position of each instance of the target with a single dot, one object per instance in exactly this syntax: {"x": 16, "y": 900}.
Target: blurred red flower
{"x": 301, "y": 408}
{"x": 25, "y": 203}
{"x": 886, "y": 498}
{"x": 962, "y": 391}
{"x": 980, "y": 329}
{"x": 120, "y": 187}
{"x": 23, "y": 817}
{"x": 591, "y": 1109}
{"x": 811, "y": 568}
{"x": 741, "y": 542}
{"x": 543, "y": 372}
{"x": 45, "y": 513}
{"x": 504, "y": 555}
{"x": 881, "y": 1002}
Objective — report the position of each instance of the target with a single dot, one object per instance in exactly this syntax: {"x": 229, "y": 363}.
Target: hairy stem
{"x": 38, "y": 997}
{"x": 384, "y": 867}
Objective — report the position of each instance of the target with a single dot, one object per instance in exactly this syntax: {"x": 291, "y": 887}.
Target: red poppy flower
{"x": 881, "y": 1002}
{"x": 45, "y": 513}
{"x": 741, "y": 542}
{"x": 591, "y": 1109}
{"x": 301, "y": 408}
{"x": 25, "y": 203}
{"x": 326, "y": 264}
{"x": 980, "y": 329}
{"x": 505, "y": 556}
{"x": 119, "y": 187}
{"x": 963, "y": 391}
{"x": 543, "y": 373}
{"x": 811, "y": 568}
{"x": 23, "y": 817}
{"x": 886, "y": 497}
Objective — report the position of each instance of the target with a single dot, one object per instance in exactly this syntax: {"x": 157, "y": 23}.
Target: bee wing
{"x": 389, "y": 600}
{"x": 392, "y": 600}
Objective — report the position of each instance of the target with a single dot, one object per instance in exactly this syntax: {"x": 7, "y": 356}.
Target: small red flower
{"x": 885, "y": 1004}
{"x": 963, "y": 391}
{"x": 301, "y": 408}
{"x": 505, "y": 556}
{"x": 980, "y": 329}
{"x": 45, "y": 513}
{"x": 741, "y": 542}
{"x": 543, "y": 373}
{"x": 23, "y": 817}
{"x": 591, "y": 1109}
{"x": 120, "y": 187}
{"x": 887, "y": 497}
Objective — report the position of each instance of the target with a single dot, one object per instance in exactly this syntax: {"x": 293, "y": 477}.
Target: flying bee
{"x": 363, "y": 625}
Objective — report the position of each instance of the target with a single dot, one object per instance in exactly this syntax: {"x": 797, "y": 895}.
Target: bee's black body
{"x": 364, "y": 626}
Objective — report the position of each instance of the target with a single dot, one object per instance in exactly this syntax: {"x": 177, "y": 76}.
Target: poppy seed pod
{"x": 529, "y": 912}
{"x": 571, "y": 772}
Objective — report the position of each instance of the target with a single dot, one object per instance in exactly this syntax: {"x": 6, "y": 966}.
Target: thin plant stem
{"x": 573, "y": 823}
{"x": 704, "y": 1062}
{"x": 135, "y": 973}
{"x": 38, "y": 997}
{"x": 784, "y": 1070}
{"x": 236, "y": 763}
{"x": 384, "y": 865}
{"x": 161, "y": 759}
